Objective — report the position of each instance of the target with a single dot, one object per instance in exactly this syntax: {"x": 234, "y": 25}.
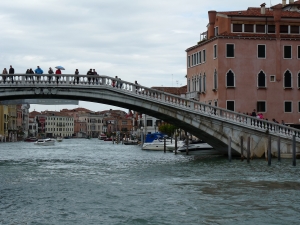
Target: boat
{"x": 130, "y": 142}
{"x": 102, "y": 136}
{"x": 31, "y": 139}
{"x": 198, "y": 147}
{"x": 45, "y": 142}
{"x": 108, "y": 139}
{"x": 158, "y": 144}
{"x": 59, "y": 139}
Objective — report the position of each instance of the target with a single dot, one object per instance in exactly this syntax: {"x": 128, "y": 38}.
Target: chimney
{"x": 263, "y": 8}
{"x": 291, "y": 2}
{"x": 283, "y": 2}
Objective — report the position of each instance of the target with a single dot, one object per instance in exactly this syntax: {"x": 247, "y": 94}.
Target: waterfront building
{"x": 4, "y": 120}
{"x": 25, "y": 119}
{"x": 249, "y": 59}
{"x": 33, "y": 124}
{"x": 12, "y": 122}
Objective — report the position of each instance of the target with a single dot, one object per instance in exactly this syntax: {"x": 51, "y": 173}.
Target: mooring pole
{"x": 248, "y": 150}
{"x": 175, "y": 144}
{"x": 229, "y": 149}
{"x": 187, "y": 144}
{"x": 113, "y": 137}
{"x": 269, "y": 151}
{"x": 164, "y": 145}
{"x": 242, "y": 149}
{"x": 294, "y": 150}
{"x": 278, "y": 150}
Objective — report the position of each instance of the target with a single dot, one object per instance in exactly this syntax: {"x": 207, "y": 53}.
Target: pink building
{"x": 249, "y": 59}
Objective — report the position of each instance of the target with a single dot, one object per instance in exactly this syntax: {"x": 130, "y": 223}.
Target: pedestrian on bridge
{"x": 96, "y": 75}
{"x": 4, "y": 77}
{"x": 57, "y": 74}
{"x": 89, "y": 73}
{"x": 38, "y": 71}
{"x": 50, "y": 71}
{"x": 76, "y": 76}
{"x": 11, "y": 71}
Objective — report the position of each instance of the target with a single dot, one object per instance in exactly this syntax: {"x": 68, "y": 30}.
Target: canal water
{"x": 81, "y": 181}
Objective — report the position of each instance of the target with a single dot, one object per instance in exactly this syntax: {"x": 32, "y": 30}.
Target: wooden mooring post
{"x": 187, "y": 144}
{"x": 294, "y": 150}
{"x": 248, "y": 150}
{"x": 229, "y": 149}
{"x": 242, "y": 149}
{"x": 269, "y": 151}
{"x": 175, "y": 144}
{"x": 165, "y": 145}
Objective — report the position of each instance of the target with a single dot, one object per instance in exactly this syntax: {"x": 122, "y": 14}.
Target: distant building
{"x": 249, "y": 59}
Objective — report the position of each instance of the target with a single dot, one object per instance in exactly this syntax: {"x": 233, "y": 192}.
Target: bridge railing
{"x": 36, "y": 80}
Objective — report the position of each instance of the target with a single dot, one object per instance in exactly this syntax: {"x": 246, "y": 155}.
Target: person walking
{"x": 11, "y": 71}
{"x": 57, "y": 74}
{"x": 76, "y": 76}
{"x": 50, "y": 71}
{"x": 4, "y": 76}
{"x": 38, "y": 71}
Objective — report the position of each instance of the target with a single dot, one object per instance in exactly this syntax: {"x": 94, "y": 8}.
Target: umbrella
{"x": 59, "y": 67}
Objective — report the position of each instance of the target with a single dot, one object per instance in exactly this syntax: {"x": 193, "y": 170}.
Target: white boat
{"x": 198, "y": 148}
{"x": 158, "y": 144}
{"x": 59, "y": 139}
{"x": 102, "y": 136}
{"x": 45, "y": 142}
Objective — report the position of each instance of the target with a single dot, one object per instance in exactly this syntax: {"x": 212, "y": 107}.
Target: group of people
{"x": 260, "y": 116}
{"x": 10, "y": 71}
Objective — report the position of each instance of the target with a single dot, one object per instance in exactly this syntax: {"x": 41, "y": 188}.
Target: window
{"x": 261, "y": 106}
{"x": 288, "y": 107}
{"x": 193, "y": 60}
{"x": 237, "y": 27}
{"x": 216, "y": 31}
{"x": 298, "y": 80}
{"x": 204, "y": 55}
{"x": 200, "y": 84}
{"x": 272, "y": 78}
{"x": 249, "y": 28}
{"x": 197, "y": 58}
{"x": 199, "y": 55}
{"x": 287, "y": 79}
{"x": 230, "y": 79}
{"x": 261, "y": 80}
{"x": 230, "y": 50}
{"x": 204, "y": 83}
{"x": 149, "y": 123}
{"x": 298, "y": 51}
{"x": 284, "y": 29}
{"x": 215, "y": 51}
{"x": 215, "y": 80}
{"x": 271, "y": 29}
{"x": 260, "y": 29}
{"x": 189, "y": 61}
{"x": 287, "y": 52}
{"x": 298, "y": 106}
{"x": 230, "y": 105}
{"x": 294, "y": 29}
{"x": 261, "y": 51}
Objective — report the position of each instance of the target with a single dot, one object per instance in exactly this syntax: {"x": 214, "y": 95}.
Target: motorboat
{"x": 102, "y": 136}
{"x": 130, "y": 142}
{"x": 198, "y": 147}
{"x": 59, "y": 139}
{"x": 158, "y": 144}
{"x": 108, "y": 139}
{"x": 31, "y": 139}
{"x": 45, "y": 142}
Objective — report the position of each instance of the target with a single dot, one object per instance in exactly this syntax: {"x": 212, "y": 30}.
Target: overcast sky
{"x": 136, "y": 40}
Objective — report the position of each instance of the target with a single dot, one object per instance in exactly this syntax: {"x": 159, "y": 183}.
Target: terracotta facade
{"x": 249, "y": 59}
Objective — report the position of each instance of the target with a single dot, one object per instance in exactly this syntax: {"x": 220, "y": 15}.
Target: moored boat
{"x": 198, "y": 147}
{"x": 59, "y": 139}
{"x": 31, "y": 139}
{"x": 102, "y": 136}
{"x": 45, "y": 142}
{"x": 131, "y": 142}
{"x": 108, "y": 139}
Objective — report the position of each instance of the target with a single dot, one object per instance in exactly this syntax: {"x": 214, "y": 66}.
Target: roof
{"x": 173, "y": 90}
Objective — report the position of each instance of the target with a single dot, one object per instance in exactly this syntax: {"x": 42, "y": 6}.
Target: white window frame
{"x": 265, "y": 106}
{"x": 233, "y": 79}
{"x": 291, "y": 52}
{"x": 204, "y": 55}
{"x": 274, "y": 78}
{"x": 292, "y": 84}
{"x": 265, "y": 80}
{"x": 265, "y": 51}
{"x": 233, "y": 103}
{"x": 216, "y": 31}
{"x": 215, "y": 51}
{"x": 233, "y": 50}
{"x": 298, "y": 51}
{"x": 189, "y": 61}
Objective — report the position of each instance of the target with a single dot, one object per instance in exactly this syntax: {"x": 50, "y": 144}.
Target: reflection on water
{"x": 81, "y": 181}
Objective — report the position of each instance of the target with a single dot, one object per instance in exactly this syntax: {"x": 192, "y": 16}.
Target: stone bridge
{"x": 212, "y": 124}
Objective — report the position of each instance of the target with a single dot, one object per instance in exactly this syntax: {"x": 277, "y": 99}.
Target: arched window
{"x": 298, "y": 80}
{"x": 230, "y": 79}
{"x": 287, "y": 79}
{"x": 215, "y": 80}
{"x": 261, "y": 79}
